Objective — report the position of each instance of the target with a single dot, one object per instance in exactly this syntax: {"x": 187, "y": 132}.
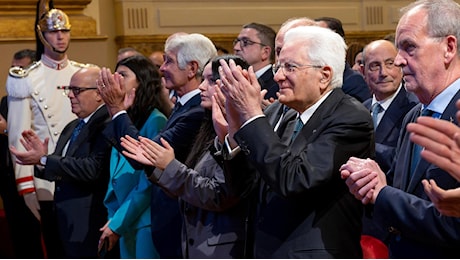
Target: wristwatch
{"x": 43, "y": 160}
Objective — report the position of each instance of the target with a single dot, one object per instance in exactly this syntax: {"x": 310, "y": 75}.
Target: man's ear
{"x": 266, "y": 53}
{"x": 194, "y": 68}
{"x": 326, "y": 75}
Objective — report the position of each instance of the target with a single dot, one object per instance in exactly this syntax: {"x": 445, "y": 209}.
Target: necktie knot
{"x": 376, "y": 109}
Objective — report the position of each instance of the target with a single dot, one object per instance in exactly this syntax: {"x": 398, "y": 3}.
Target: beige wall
{"x": 145, "y": 24}
{"x": 98, "y": 49}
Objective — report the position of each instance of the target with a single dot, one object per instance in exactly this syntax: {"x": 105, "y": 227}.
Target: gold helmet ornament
{"x": 50, "y": 20}
{"x": 54, "y": 20}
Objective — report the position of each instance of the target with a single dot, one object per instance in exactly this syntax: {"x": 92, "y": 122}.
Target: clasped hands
{"x": 364, "y": 178}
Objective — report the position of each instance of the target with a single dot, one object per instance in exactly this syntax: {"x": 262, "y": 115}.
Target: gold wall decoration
{"x": 17, "y": 18}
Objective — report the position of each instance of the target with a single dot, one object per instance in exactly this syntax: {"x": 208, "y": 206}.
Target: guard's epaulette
{"x": 81, "y": 65}
{"x": 19, "y": 72}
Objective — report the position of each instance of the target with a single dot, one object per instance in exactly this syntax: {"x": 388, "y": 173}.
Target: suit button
{"x": 56, "y": 133}
{"x": 191, "y": 241}
{"x": 45, "y": 107}
{"x": 114, "y": 183}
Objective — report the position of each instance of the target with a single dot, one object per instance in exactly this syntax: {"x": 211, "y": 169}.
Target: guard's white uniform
{"x": 34, "y": 102}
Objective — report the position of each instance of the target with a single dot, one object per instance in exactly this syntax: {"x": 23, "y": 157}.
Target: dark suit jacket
{"x": 354, "y": 84}
{"x": 267, "y": 82}
{"x": 180, "y": 131}
{"x": 387, "y": 132}
{"x": 305, "y": 209}
{"x": 418, "y": 230}
{"x": 81, "y": 178}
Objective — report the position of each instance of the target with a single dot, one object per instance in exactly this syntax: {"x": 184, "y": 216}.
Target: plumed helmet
{"x": 48, "y": 19}
{"x": 54, "y": 20}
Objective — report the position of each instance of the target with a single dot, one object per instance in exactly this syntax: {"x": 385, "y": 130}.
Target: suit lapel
{"x": 422, "y": 167}
{"x": 194, "y": 101}
{"x": 99, "y": 115}
{"x": 286, "y": 127}
{"x": 391, "y": 116}
{"x": 309, "y": 130}
{"x": 65, "y": 136}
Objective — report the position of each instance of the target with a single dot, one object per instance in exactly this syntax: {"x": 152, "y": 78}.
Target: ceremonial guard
{"x": 35, "y": 102}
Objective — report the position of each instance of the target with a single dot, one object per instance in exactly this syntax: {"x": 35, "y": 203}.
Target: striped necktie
{"x": 376, "y": 109}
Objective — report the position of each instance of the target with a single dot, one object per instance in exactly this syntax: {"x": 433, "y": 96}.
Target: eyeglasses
{"x": 377, "y": 66}
{"x": 75, "y": 90}
{"x": 289, "y": 68}
{"x": 245, "y": 42}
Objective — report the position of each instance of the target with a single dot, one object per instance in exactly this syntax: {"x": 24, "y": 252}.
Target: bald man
{"x": 79, "y": 166}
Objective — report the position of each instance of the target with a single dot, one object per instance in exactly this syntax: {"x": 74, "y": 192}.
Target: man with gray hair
{"x": 304, "y": 210}
{"x": 427, "y": 37}
{"x": 185, "y": 58}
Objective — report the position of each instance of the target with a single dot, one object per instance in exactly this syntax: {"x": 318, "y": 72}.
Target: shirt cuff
{"x": 217, "y": 146}
{"x": 230, "y": 153}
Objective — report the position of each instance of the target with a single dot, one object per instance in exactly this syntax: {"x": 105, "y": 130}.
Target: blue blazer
{"x": 417, "y": 228}
{"x": 180, "y": 131}
{"x": 389, "y": 128}
{"x": 81, "y": 178}
{"x": 129, "y": 192}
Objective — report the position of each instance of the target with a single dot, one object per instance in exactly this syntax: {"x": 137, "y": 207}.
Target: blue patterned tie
{"x": 76, "y": 131}
{"x": 376, "y": 109}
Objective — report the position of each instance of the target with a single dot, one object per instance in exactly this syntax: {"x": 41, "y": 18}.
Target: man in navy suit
{"x": 390, "y": 99}
{"x": 256, "y": 45}
{"x": 388, "y": 106}
{"x": 185, "y": 58}
{"x": 427, "y": 37}
{"x": 79, "y": 166}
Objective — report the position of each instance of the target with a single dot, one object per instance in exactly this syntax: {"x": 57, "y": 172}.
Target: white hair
{"x": 323, "y": 47}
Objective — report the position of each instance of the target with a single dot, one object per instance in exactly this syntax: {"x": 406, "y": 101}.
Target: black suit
{"x": 354, "y": 84}
{"x": 418, "y": 230}
{"x": 267, "y": 82}
{"x": 81, "y": 178}
{"x": 305, "y": 209}
{"x": 180, "y": 132}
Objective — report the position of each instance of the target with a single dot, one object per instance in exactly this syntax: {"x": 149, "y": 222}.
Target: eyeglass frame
{"x": 377, "y": 66}
{"x": 75, "y": 90}
{"x": 245, "y": 42}
{"x": 292, "y": 67}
